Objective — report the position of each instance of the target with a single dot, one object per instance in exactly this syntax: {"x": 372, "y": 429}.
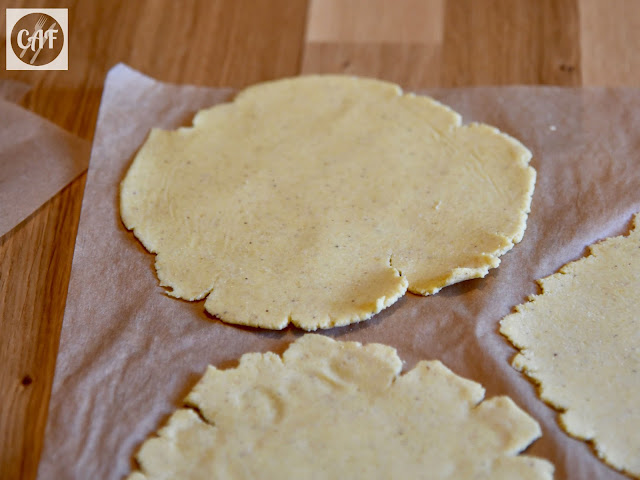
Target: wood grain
{"x": 485, "y": 42}
{"x": 411, "y": 65}
{"x": 610, "y": 42}
{"x": 417, "y": 43}
{"x": 33, "y": 286}
{"x": 375, "y": 21}
{"x": 361, "y": 37}
{"x": 511, "y": 42}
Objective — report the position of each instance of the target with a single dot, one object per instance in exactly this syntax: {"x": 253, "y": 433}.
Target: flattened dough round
{"x": 328, "y": 409}
{"x": 580, "y": 340}
{"x": 319, "y": 200}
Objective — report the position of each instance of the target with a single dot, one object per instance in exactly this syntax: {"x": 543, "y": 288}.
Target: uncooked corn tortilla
{"x": 320, "y": 200}
{"x": 580, "y": 340}
{"x": 329, "y": 409}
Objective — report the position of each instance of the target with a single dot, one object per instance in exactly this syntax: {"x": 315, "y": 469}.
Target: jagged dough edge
{"x": 422, "y": 287}
{"x": 523, "y": 361}
{"x": 191, "y": 415}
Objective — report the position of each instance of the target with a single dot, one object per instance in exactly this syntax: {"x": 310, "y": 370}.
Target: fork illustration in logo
{"x": 39, "y": 38}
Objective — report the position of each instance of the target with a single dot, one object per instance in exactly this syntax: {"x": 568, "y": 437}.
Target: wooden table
{"x": 417, "y": 43}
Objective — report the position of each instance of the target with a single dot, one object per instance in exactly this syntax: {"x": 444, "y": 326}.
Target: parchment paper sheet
{"x": 13, "y": 91}
{"x": 37, "y": 158}
{"x": 129, "y": 353}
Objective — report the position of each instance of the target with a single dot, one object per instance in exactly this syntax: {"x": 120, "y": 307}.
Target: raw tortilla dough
{"x": 328, "y": 409}
{"x": 319, "y": 200}
{"x": 580, "y": 340}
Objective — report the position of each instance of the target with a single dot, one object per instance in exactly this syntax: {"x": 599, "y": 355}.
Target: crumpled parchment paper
{"x": 37, "y": 158}
{"x": 129, "y": 353}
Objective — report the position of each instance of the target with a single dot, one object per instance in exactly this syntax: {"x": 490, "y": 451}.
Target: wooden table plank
{"x": 35, "y": 262}
{"x": 479, "y": 43}
{"x": 375, "y": 21}
{"x": 511, "y": 42}
{"x": 211, "y": 43}
{"x": 417, "y": 43}
{"x": 353, "y": 37}
{"x": 610, "y": 41}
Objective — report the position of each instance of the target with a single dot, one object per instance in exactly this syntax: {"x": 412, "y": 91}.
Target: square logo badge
{"x": 37, "y": 39}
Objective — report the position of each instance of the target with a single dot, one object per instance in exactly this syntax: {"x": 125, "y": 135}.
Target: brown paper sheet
{"x": 37, "y": 158}
{"x": 129, "y": 353}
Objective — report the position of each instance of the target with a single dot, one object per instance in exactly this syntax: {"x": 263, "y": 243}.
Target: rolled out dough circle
{"x": 580, "y": 340}
{"x": 328, "y": 409}
{"x": 320, "y": 200}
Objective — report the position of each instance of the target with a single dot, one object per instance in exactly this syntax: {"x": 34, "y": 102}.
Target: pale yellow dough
{"x": 327, "y": 410}
{"x": 319, "y": 200}
{"x": 580, "y": 340}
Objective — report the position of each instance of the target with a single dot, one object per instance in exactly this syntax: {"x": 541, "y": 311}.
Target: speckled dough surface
{"x": 319, "y": 200}
{"x": 580, "y": 339}
{"x": 329, "y": 409}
